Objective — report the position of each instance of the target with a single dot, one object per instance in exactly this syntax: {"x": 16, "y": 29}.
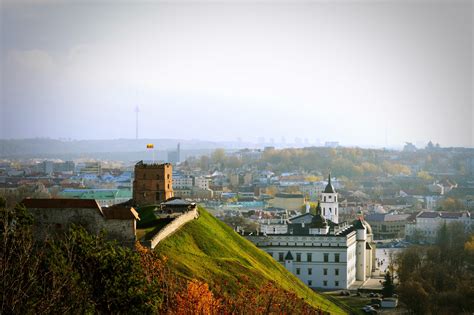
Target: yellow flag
{"x": 150, "y": 146}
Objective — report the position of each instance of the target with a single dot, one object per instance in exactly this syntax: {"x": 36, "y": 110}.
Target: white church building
{"x": 319, "y": 250}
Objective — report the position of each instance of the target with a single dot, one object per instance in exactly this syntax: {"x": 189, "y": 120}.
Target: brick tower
{"x": 153, "y": 183}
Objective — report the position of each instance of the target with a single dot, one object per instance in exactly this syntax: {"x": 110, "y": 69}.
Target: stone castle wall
{"x": 172, "y": 227}
{"x": 53, "y": 221}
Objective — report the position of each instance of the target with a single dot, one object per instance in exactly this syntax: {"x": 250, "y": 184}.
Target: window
{"x": 324, "y": 198}
{"x": 310, "y": 271}
{"x": 336, "y": 283}
{"x": 325, "y": 271}
{"x": 325, "y": 283}
{"x": 336, "y": 257}
{"x": 326, "y": 257}
{"x": 335, "y": 198}
{"x": 168, "y": 176}
{"x": 297, "y": 271}
{"x": 280, "y": 256}
{"x": 168, "y": 186}
{"x": 310, "y": 283}
{"x": 309, "y": 257}
{"x": 298, "y": 256}
{"x": 336, "y": 272}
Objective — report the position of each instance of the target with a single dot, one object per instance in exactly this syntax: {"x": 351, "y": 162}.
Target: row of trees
{"x": 349, "y": 162}
{"x": 439, "y": 279}
{"x": 82, "y": 273}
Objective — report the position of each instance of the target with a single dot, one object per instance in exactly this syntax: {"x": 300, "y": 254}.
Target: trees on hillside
{"x": 83, "y": 273}
{"x": 439, "y": 279}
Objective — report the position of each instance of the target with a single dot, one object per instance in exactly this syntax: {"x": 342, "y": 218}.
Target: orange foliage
{"x": 183, "y": 297}
{"x": 197, "y": 299}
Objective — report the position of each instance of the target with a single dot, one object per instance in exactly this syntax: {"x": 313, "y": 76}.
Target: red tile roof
{"x": 120, "y": 212}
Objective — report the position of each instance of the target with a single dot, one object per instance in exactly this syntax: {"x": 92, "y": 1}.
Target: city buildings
{"x": 317, "y": 249}
{"x": 388, "y": 225}
{"x": 104, "y": 197}
{"x": 427, "y": 223}
{"x": 288, "y": 201}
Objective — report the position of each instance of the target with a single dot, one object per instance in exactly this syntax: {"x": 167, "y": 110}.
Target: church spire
{"x": 329, "y": 187}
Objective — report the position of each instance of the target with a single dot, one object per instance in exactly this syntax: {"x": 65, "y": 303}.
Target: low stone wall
{"x": 172, "y": 227}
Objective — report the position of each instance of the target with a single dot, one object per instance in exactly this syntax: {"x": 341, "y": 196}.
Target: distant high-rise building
{"x": 48, "y": 167}
{"x": 174, "y": 157}
{"x": 153, "y": 183}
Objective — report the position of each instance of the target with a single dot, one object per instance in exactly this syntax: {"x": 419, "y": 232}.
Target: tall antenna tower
{"x": 137, "y": 110}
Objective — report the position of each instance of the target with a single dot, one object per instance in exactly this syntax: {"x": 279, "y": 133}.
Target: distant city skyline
{"x": 372, "y": 74}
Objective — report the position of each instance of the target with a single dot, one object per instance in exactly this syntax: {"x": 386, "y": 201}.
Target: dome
{"x": 329, "y": 187}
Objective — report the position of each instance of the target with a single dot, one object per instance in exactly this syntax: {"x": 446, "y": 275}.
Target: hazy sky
{"x": 358, "y": 72}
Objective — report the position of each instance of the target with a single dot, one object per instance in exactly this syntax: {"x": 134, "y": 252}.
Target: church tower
{"x": 329, "y": 204}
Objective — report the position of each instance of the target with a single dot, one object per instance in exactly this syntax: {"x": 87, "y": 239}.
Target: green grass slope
{"x": 209, "y": 250}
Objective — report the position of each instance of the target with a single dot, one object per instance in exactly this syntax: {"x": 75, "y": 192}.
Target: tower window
{"x": 298, "y": 257}
{"x": 324, "y": 198}
{"x": 336, "y": 257}
{"x": 326, "y": 257}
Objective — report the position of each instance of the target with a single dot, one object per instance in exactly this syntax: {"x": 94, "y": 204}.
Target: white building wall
{"x": 330, "y": 207}
{"x": 315, "y": 272}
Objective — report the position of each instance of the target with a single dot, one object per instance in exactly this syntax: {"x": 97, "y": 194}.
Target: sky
{"x": 367, "y": 73}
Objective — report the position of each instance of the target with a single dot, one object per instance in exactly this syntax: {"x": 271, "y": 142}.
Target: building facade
{"x": 153, "y": 183}
{"x": 321, "y": 253}
{"x": 427, "y": 224}
{"x": 388, "y": 225}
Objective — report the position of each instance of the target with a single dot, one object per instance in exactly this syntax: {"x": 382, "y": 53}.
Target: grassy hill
{"x": 209, "y": 250}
